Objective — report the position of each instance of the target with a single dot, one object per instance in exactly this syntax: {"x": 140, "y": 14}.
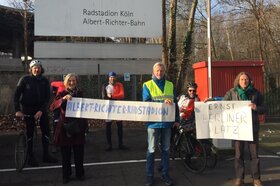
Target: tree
{"x": 25, "y": 6}
{"x": 185, "y": 64}
{"x": 172, "y": 52}
{"x": 163, "y": 40}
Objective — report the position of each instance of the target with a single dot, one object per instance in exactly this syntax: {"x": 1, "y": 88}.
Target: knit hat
{"x": 112, "y": 74}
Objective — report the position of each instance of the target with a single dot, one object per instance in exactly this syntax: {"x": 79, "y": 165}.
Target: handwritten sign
{"x": 224, "y": 120}
{"x": 120, "y": 110}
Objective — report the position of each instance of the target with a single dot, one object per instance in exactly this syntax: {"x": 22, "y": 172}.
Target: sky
{"x": 4, "y": 2}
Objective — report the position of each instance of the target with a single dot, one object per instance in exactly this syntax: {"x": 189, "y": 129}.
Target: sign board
{"x": 126, "y": 76}
{"x": 120, "y": 110}
{"x": 98, "y": 18}
{"x": 89, "y": 50}
{"x": 224, "y": 120}
{"x": 90, "y": 67}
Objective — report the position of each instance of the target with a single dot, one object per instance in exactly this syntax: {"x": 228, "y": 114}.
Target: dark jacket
{"x": 60, "y": 137}
{"x": 33, "y": 93}
{"x": 256, "y": 98}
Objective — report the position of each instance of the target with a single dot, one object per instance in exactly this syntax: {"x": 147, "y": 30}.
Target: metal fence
{"x": 272, "y": 95}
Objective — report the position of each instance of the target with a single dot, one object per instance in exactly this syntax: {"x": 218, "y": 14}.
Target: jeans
{"x": 158, "y": 136}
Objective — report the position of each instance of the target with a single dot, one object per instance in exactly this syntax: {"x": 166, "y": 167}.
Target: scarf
{"x": 243, "y": 93}
{"x": 73, "y": 92}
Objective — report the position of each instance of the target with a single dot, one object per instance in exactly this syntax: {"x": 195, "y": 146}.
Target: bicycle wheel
{"x": 173, "y": 146}
{"x": 20, "y": 151}
{"x": 192, "y": 153}
{"x": 211, "y": 155}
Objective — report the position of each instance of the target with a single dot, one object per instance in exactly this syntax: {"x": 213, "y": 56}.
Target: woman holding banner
{"x": 67, "y": 139}
{"x": 244, "y": 90}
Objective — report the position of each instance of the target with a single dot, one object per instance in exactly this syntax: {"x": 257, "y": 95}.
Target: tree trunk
{"x": 172, "y": 71}
{"x": 163, "y": 38}
{"x": 25, "y": 37}
{"x": 187, "y": 48}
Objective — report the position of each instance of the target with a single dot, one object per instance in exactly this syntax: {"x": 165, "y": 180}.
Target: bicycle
{"x": 211, "y": 153}
{"x": 191, "y": 151}
{"x": 22, "y": 142}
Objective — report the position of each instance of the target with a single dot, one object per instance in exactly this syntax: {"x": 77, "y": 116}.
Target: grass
{"x": 269, "y": 137}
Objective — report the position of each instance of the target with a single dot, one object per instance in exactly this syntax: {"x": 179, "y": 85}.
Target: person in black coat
{"x": 31, "y": 101}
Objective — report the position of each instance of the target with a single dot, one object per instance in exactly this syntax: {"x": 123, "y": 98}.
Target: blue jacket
{"x": 147, "y": 97}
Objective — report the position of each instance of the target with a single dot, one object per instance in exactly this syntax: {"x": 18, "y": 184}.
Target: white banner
{"x": 98, "y": 18}
{"x": 224, "y": 120}
{"x": 120, "y": 110}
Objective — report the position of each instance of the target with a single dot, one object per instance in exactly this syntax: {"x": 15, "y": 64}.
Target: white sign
{"x": 120, "y": 110}
{"x": 126, "y": 76}
{"x": 224, "y": 120}
{"x": 98, "y": 18}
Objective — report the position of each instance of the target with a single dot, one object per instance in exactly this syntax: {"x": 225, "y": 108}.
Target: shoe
{"x": 65, "y": 180}
{"x": 167, "y": 180}
{"x": 49, "y": 159}
{"x": 109, "y": 148}
{"x": 122, "y": 147}
{"x": 257, "y": 182}
{"x": 239, "y": 182}
{"x": 150, "y": 181}
{"x": 33, "y": 162}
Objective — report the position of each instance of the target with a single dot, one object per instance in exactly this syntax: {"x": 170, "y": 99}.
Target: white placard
{"x": 224, "y": 120}
{"x": 120, "y": 110}
{"x": 98, "y": 18}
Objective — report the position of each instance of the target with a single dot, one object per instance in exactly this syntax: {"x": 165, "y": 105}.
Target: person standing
{"x": 186, "y": 104}
{"x": 113, "y": 90}
{"x": 31, "y": 98}
{"x": 158, "y": 89}
{"x": 66, "y": 141}
{"x": 244, "y": 90}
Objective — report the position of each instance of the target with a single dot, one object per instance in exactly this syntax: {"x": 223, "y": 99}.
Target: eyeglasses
{"x": 192, "y": 91}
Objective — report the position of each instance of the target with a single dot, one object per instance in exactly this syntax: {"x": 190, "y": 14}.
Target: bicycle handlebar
{"x": 26, "y": 116}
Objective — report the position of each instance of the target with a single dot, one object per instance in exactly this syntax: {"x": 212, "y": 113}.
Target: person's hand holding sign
{"x": 253, "y": 106}
{"x": 168, "y": 101}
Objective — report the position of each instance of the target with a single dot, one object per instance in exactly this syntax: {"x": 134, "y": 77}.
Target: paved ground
{"x": 124, "y": 168}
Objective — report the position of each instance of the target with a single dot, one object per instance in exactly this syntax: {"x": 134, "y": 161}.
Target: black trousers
{"x": 239, "y": 164}
{"x": 109, "y": 132}
{"x": 78, "y": 151}
{"x": 44, "y": 126}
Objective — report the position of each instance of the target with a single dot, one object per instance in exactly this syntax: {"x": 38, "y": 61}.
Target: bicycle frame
{"x": 190, "y": 150}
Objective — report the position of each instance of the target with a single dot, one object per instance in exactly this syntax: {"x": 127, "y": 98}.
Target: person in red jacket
{"x": 113, "y": 90}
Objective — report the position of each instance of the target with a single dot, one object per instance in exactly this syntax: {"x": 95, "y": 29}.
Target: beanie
{"x": 112, "y": 74}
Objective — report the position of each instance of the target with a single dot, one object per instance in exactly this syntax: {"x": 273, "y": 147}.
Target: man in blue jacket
{"x": 158, "y": 89}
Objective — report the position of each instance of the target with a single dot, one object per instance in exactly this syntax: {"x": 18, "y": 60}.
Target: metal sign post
{"x": 209, "y": 48}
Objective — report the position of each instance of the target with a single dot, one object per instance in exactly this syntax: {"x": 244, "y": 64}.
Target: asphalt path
{"x": 124, "y": 167}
